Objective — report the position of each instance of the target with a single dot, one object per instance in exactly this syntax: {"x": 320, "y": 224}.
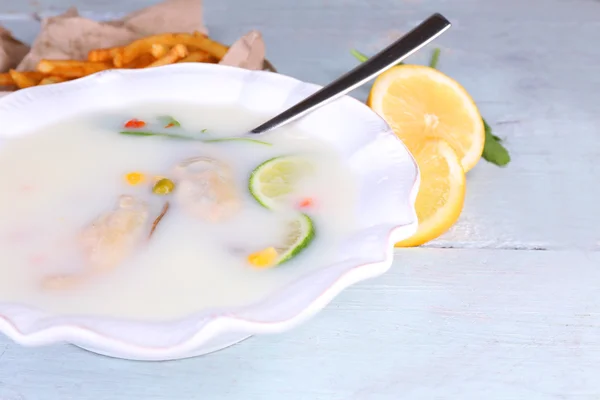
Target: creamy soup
{"x": 138, "y": 213}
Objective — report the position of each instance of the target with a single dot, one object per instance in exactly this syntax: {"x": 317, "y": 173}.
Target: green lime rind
{"x": 308, "y": 234}
{"x": 256, "y": 187}
{"x": 254, "y": 181}
{"x": 305, "y": 229}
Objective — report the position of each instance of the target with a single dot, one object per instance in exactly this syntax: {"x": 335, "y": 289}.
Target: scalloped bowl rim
{"x": 202, "y": 326}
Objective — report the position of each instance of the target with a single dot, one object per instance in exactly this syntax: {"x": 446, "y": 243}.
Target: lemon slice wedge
{"x": 441, "y": 193}
{"x": 421, "y": 103}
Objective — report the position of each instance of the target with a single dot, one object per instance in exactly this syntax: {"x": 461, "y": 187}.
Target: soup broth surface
{"x": 58, "y": 180}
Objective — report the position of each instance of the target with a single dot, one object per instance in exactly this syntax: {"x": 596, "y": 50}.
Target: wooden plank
{"x": 530, "y": 95}
{"x": 459, "y": 324}
{"x": 442, "y": 324}
{"x": 533, "y": 83}
{"x": 12, "y": 9}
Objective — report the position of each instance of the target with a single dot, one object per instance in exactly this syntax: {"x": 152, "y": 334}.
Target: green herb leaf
{"x": 146, "y": 133}
{"x": 173, "y": 136}
{"x": 137, "y": 133}
{"x": 238, "y": 139}
{"x": 493, "y": 151}
{"x": 359, "y": 56}
{"x": 435, "y": 58}
{"x": 203, "y": 130}
{"x": 362, "y": 57}
{"x": 170, "y": 122}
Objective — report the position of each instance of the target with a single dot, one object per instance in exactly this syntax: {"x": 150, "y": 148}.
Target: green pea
{"x": 163, "y": 186}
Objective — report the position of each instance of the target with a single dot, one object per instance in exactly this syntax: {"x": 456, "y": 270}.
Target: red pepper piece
{"x": 306, "y": 203}
{"x": 135, "y": 123}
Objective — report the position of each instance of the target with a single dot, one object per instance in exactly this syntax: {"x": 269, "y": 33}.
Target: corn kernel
{"x": 135, "y": 178}
{"x": 264, "y": 258}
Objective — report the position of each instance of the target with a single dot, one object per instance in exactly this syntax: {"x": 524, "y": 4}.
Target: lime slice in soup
{"x": 299, "y": 234}
{"x": 273, "y": 180}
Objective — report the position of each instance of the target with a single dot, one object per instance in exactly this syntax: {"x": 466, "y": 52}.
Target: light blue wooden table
{"x": 505, "y": 306}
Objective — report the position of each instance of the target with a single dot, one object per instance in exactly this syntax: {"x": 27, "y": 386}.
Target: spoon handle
{"x": 414, "y": 40}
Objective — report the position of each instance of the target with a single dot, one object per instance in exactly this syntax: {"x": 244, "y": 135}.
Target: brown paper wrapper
{"x": 11, "y": 50}
{"x": 247, "y": 52}
{"x": 71, "y": 36}
{"x": 169, "y": 16}
{"x": 11, "y": 53}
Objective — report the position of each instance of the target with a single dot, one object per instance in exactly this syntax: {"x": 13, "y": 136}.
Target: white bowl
{"x": 386, "y": 171}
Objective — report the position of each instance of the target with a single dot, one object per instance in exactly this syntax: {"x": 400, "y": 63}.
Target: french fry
{"x": 118, "y": 59}
{"x": 214, "y": 48}
{"x": 176, "y": 53}
{"x": 199, "y": 56}
{"x": 103, "y": 55}
{"x": 152, "y": 51}
{"x": 6, "y": 78}
{"x": 204, "y": 43}
{"x": 49, "y": 80}
{"x": 141, "y": 62}
{"x": 23, "y": 80}
{"x": 144, "y": 45}
{"x": 159, "y": 50}
{"x": 71, "y": 68}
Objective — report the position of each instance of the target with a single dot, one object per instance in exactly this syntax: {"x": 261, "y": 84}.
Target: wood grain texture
{"x": 491, "y": 318}
{"x": 442, "y": 324}
{"x": 529, "y": 66}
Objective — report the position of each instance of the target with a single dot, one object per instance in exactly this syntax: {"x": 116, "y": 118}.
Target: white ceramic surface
{"x": 386, "y": 171}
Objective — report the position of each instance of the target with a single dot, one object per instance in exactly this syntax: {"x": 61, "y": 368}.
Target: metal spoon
{"x": 414, "y": 40}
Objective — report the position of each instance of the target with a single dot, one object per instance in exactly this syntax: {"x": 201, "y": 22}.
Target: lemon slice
{"x": 441, "y": 193}
{"x": 421, "y": 103}
{"x": 274, "y": 179}
{"x": 301, "y": 233}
